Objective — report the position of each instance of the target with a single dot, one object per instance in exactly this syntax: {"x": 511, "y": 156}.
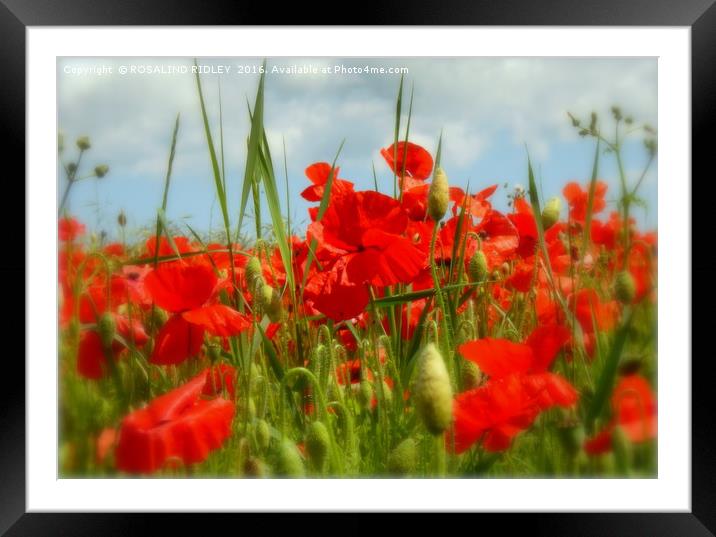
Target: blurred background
{"x": 487, "y": 108}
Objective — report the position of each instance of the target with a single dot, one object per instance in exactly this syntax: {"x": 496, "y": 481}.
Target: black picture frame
{"x": 699, "y": 15}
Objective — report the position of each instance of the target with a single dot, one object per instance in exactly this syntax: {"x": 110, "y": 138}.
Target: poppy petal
{"x": 179, "y": 287}
{"x": 218, "y": 320}
{"x": 177, "y": 340}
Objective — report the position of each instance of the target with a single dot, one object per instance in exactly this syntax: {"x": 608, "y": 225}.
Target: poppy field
{"x": 409, "y": 330}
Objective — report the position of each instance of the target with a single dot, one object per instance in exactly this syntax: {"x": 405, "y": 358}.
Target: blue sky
{"x": 487, "y": 108}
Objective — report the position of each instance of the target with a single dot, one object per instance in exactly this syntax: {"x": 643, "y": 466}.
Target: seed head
{"x": 101, "y": 170}
{"x": 83, "y": 142}
{"x": 433, "y": 392}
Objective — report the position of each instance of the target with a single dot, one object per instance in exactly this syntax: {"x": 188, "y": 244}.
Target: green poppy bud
{"x": 470, "y": 374}
{"x": 478, "y": 267}
{"x": 106, "y": 328}
{"x": 433, "y": 392}
{"x": 289, "y": 462}
{"x": 158, "y": 318}
{"x": 387, "y": 394}
{"x": 254, "y": 467}
{"x": 402, "y": 459}
{"x": 254, "y": 273}
{"x": 275, "y": 307}
{"x": 624, "y": 287}
{"x": 550, "y": 212}
{"x": 214, "y": 352}
{"x": 248, "y": 406}
{"x": 122, "y": 219}
{"x": 317, "y": 443}
{"x": 270, "y": 303}
{"x": 83, "y": 142}
{"x": 438, "y": 195}
{"x": 262, "y": 434}
{"x": 101, "y": 170}
{"x": 71, "y": 168}
{"x": 365, "y": 393}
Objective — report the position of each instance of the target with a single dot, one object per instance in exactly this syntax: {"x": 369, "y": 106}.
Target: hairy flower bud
{"x": 470, "y": 375}
{"x": 433, "y": 392}
{"x": 106, "y": 328}
{"x": 624, "y": 287}
{"x": 254, "y": 273}
{"x": 317, "y": 443}
{"x": 214, "y": 352}
{"x": 101, "y": 170}
{"x": 402, "y": 459}
{"x": 289, "y": 462}
{"x": 122, "y": 219}
{"x": 270, "y": 303}
{"x": 254, "y": 467}
{"x": 83, "y": 142}
{"x": 478, "y": 267}
{"x": 262, "y": 434}
{"x": 550, "y": 212}
{"x": 438, "y": 195}
{"x": 157, "y": 318}
{"x": 365, "y": 393}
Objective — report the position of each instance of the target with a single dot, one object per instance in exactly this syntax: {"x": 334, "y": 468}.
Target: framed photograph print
{"x": 390, "y": 267}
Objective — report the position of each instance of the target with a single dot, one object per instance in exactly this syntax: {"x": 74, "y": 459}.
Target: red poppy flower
{"x": 592, "y": 312}
{"x": 183, "y": 289}
{"x": 503, "y": 407}
{"x": 218, "y": 319}
{"x": 165, "y": 249}
{"x": 634, "y": 410}
{"x": 500, "y": 238}
{"x": 501, "y": 357}
{"x": 114, "y": 249}
{"x": 634, "y": 407}
{"x": 69, "y": 229}
{"x": 91, "y": 357}
{"x": 176, "y": 341}
{"x": 418, "y": 162}
{"x": 178, "y": 287}
{"x": 519, "y": 388}
{"x": 578, "y": 200}
{"x": 177, "y": 425}
{"x": 318, "y": 174}
{"x": 360, "y": 240}
{"x": 477, "y": 204}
